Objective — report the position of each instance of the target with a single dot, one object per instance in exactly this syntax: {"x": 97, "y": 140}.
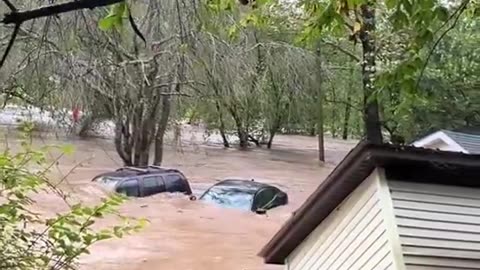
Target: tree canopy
{"x": 393, "y": 68}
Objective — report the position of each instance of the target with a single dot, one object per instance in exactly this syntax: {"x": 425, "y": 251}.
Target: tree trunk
{"x": 346, "y": 118}
{"x": 255, "y": 141}
{"x": 222, "y": 125}
{"x": 320, "y": 131}
{"x": 147, "y": 134}
{"x": 270, "y": 139}
{"x": 127, "y": 135}
{"x": 137, "y": 135}
{"x": 243, "y": 137}
{"x": 333, "y": 119}
{"x": 120, "y": 143}
{"x": 137, "y": 151}
{"x": 144, "y": 157}
{"x": 276, "y": 127}
{"x": 162, "y": 128}
{"x": 226, "y": 144}
{"x": 371, "y": 114}
{"x": 321, "y": 145}
{"x": 85, "y": 125}
{"x": 241, "y": 131}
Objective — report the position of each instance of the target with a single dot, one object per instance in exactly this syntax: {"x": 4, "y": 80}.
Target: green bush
{"x": 31, "y": 241}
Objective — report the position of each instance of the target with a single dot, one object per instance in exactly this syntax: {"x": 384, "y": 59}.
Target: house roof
{"x": 469, "y": 142}
{"x": 407, "y": 163}
{"x": 467, "y": 139}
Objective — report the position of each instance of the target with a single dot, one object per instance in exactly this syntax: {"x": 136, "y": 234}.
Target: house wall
{"x": 439, "y": 226}
{"x": 354, "y": 236}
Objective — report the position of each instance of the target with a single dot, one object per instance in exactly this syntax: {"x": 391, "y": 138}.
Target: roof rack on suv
{"x": 149, "y": 169}
{"x": 162, "y": 169}
{"x": 136, "y": 169}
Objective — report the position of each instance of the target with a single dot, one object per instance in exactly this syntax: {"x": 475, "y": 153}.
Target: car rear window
{"x": 264, "y": 198}
{"x": 175, "y": 182}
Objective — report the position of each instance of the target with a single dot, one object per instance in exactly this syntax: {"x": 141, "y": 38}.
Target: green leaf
{"x": 88, "y": 211}
{"x": 427, "y": 4}
{"x": 390, "y": 3}
{"x": 424, "y": 37}
{"x": 408, "y": 6}
{"x": 399, "y": 19}
{"x": 351, "y": 3}
{"x": 476, "y": 11}
{"x": 115, "y": 17}
{"x": 68, "y": 149}
{"x": 142, "y": 223}
{"x": 442, "y": 13}
{"x": 233, "y": 32}
{"x": 117, "y": 231}
{"x": 107, "y": 23}
{"x": 89, "y": 223}
{"x": 104, "y": 234}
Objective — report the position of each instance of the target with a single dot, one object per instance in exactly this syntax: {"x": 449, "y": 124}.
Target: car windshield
{"x": 230, "y": 197}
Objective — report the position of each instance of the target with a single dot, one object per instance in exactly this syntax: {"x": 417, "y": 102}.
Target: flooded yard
{"x": 186, "y": 234}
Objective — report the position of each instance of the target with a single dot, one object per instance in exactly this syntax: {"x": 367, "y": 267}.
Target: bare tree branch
{"x": 10, "y": 44}
{"x": 455, "y": 16}
{"x": 10, "y": 5}
{"x": 19, "y": 17}
{"x": 355, "y": 107}
{"x": 336, "y": 46}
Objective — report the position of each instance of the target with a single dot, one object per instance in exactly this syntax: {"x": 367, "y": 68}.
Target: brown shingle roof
{"x": 406, "y": 163}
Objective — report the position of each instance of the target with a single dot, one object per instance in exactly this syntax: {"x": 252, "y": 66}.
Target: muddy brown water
{"x": 184, "y": 234}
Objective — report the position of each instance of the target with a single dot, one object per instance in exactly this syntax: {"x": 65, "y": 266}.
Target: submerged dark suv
{"x": 144, "y": 181}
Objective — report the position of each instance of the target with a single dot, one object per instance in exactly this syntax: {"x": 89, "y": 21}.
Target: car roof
{"x": 247, "y": 186}
{"x": 148, "y": 169}
{"x": 125, "y": 172}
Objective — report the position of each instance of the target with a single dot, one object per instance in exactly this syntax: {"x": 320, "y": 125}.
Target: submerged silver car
{"x": 245, "y": 194}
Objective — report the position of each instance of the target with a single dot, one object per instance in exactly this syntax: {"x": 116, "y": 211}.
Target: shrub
{"x": 31, "y": 241}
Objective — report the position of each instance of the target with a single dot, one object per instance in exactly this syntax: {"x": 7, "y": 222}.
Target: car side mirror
{"x": 261, "y": 211}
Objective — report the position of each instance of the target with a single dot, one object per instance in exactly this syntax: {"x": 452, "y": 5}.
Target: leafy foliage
{"x": 244, "y": 67}
{"x": 30, "y": 240}
{"x": 115, "y": 17}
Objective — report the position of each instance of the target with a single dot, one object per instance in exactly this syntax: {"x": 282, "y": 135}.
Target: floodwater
{"x": 184, "y": 234}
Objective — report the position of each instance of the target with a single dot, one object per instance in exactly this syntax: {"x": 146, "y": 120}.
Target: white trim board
{"x": 437, "y": 137}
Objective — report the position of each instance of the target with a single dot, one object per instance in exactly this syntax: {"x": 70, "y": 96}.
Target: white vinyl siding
{"x": 353, "y": 236}
{"x": 439, "y": 226}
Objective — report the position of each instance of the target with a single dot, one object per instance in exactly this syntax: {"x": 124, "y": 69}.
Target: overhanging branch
{"x": 347, "y": 52}
{"x": 19, "y": 17}
{"x": 16, "y": 17}
{"x": 10, "y": 5}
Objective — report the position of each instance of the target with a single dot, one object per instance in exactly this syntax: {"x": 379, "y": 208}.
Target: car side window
{"x": 264, "y": 198}
{"x": 129, "y": 188}
{"x": 174, "y": 183}
{"x": 161, "y": 182}
{"x": 153, "y": 185}
{"x": 150, "y": 182}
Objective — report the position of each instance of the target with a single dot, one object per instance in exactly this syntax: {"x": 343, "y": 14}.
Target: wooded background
{"x": 386, "y": 70}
